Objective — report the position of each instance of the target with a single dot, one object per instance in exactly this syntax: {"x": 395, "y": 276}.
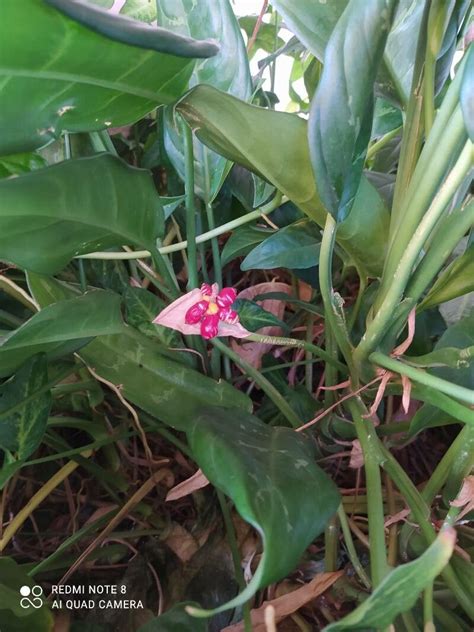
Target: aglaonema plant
{"x": 111, "y": 283}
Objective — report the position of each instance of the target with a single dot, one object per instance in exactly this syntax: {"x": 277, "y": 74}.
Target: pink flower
{"x": 206, "y": 312}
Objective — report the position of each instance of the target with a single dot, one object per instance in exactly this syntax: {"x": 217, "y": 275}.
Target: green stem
{"x": 182, "y": 245}
{"x": 268, "y": 388}
{"x": 331, "y": 312}
{"x": 303, "y": 344}
{"x": 401, "y": 275}
{"x": 190, "y": 206}
{"x": 382, "y": 142}
{"x": 308, "y": 371}
{"x": 366, "y": 435}
{"x": 428, "y": 607}
{"x": 461, "y": 393}
{"x": 351, "y": 550}
{"x": 428, "y": 89}
{"x": 464, "y": 441}
{"x": 412, "y": 131}
{"x": 331, "y": 541}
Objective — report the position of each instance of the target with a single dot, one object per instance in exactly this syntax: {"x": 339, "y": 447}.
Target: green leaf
{"x": 151, "y": 375}
{"x": 272, "y": 477}
{"x": 228, "y": 71}
{"x": 467, "y": 93}
{"x": 456, "y": 280}
{"x": 313, "y": 23}
{"x": 399, "y": 591}
{"x": 21, "y": 431}
{"x": 175, "y": 620}
{"x": 242, "y": 240}
{"x": 79, "y": 80}
{"x": 246, "y": 134}
{"x": 293, "y": 247}
{"x": 50, "y": 215}
{"x": 253, "y": 317}
{"x": 62, "y": 328}
{"x": 20, "y": 163}
{"x": 163, "y": 387}
{"x": 461, "y": 336}
{"x": 132, "y": 32}
{"x": 429, "y": 417}
{"x": 340, "y": 120}
{"x": 14, "y": 618}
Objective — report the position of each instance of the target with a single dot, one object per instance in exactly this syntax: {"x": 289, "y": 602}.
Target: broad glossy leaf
{"x": 456, "y": 280}
{"x": 313, "y": 23}
{"x": 14, "y": 618}
{"x": 62, "y": 328}
{"x": 21, "y": 431}
{"x": 175, "y": 620}
{"x": 253, "y": 317}
{"x": 242, "y": 241}
{"x": 143, "y": 10}
{"x": 77, "y": 206}
{"x": 340, "y": 120}
{"x": 247, "y": 135}
{"x": 429, "y": 417}
{"x": 461, "y": 336}
{"x": 293, "y": 247}
{"x": 400, "y": 589}
{"x": 161, "y": 386}
{"x": 272, "y": 477}
{"x": 151, "y": 374}
{"x": 228, "y": 71}
{"x": 70, "y": 78}
{"x": 20, "y": 163}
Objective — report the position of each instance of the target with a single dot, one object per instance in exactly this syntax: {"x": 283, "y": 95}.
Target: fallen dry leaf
{"x": 181, "y": 542}
{"x": 465, "y": 498}
{"x": 190, "y": 485}
{"x": 289, "y": 603}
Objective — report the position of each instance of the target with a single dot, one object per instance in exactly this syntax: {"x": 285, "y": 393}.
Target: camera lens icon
{"x": 31, "y": 597}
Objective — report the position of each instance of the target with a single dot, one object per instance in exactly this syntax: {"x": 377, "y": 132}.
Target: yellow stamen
{"x": 213, "y": 308}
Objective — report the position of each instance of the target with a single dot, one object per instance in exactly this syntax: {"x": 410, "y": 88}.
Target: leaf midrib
{"x": 123, "y": 88}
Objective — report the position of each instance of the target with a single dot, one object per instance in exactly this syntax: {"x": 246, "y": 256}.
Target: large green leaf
{"x": 77, "y": 206}
{"x": 294, "y": 247}
{"x": 242, "y": 240}
{"x": 22, "y": 429}
{"x": 340, "y": 120}
{"x": 149, "y": 375}
{"x": 272, "y": 477}
{"x": 399, "y": 591}
{"x": 275, "y": 146}
{"x": 313, "y": 23}
{"x": 71, "y": 78}
{"x": 14, "y": 617}
{"x": 228, "y": 71}
{"x": 62, "y": 328}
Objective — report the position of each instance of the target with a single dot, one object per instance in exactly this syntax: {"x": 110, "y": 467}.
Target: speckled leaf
{"x": 272, "y": 477}
{"x": 400, "y": 589}
{"x": 22, "y": 429}
{"x": 62, "y": 328}
{"x": 246, "y": 134}
{"x": 228, "y": 71}
{"x": 71, "y": 78}
{"x": 340, "y": 120}
{"x": 294, "y": 247}
{"x": 77, "y": 206}
{"x": 150, "y": 373}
